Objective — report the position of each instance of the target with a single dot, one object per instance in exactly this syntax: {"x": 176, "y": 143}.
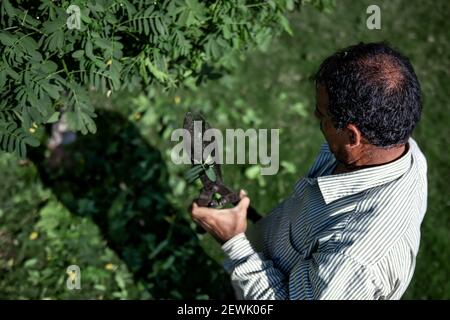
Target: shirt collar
{"x": 336, "y": 186}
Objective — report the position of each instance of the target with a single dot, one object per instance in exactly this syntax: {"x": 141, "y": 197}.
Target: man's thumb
{"x": 245, "y": 200}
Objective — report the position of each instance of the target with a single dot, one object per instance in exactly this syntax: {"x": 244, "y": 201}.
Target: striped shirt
{"x": 337, "y": 236}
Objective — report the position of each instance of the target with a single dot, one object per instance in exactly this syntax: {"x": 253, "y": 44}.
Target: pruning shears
{"x": 214, "y": 193}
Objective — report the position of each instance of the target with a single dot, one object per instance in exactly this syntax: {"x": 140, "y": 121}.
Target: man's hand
{"x": 223, "y": 224}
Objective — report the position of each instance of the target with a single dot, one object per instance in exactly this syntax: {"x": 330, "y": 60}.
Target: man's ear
{"x": 354, "y": 135}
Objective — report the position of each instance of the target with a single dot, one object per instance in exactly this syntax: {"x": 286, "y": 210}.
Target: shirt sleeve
{"x": 324, "y": 275}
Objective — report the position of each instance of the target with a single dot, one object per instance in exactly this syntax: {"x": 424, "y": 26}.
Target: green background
{"x": 119, "y": 211}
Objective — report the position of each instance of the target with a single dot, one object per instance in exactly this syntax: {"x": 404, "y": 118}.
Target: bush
{"x": 40, "y": 238}
{"x": 47, "y": 68}
{"x": 90, "y": 210}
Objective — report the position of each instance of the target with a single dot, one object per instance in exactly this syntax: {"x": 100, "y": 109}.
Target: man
{"x": 351, "y": 227}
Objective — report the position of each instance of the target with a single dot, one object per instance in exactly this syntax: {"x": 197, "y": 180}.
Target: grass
{"x": 270, "y": 89}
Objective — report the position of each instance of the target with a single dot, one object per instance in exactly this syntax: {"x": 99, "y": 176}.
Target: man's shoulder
{"x": 419, "y": 159}
{"x": 323, "y": 158}
{"x": 384, "y": 216}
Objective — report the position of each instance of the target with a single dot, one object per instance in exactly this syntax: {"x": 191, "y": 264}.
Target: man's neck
{"x": 372, "y": 156}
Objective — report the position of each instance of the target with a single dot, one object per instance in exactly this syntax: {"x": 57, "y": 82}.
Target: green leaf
{"x": 146, "y": 27}
{"x": 290, "y": 5}
{"x": 194, "y": 170}
{"x": 10, "y": 10}
{"x": 209, "y": 160}
{"x": 194, "y": 173}
{"x": 6, "y": 38}
{"x": 160, "y": 75}
{"x": 29, "y": 44}
{"x": 103, "y": 43}
{"x": 211, "y": 174}
{"x": 30, "y": 263}
{"x": 160, "y": 27}
{"x": 53, "y": 118}
{"x": 253, "y": 172}
{"x": 13, "y": 74}
{"x": 52, "y": 90}
{"x": 72, "y": 120}
{"x": 99, "y": 63}
{"x": 99, "y": 287}
{"x": 288, "y": 166}
{"x": 54, "y": 26}
{"x": 89, "y": 123}
{"x": 78, "y": 54}
{"x": 23, "y": 149}
{"x": 158, "y": 249}
{"x": 89, "y": 49}
{"x": 285, "y": 24}
{"x": 32, "y": 141}
{"x": 49, "y": 66}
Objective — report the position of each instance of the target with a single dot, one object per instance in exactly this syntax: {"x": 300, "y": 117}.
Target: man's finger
{"x": 202, "y": 213}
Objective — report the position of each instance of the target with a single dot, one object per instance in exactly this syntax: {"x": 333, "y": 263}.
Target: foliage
{"x": 120, "y": 186}
{"x": 47, "y": 67}
{"x": 198, "y": 170}
{"x": 39, "y": 239}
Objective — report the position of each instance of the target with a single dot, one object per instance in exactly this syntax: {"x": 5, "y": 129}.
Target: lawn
{"x": 123, "y": 219}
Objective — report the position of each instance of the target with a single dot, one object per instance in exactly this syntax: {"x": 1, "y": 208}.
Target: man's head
{"x": 368, "y": 98}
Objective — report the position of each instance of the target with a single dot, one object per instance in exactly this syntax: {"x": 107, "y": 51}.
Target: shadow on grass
{"x": 116, "y": 178}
